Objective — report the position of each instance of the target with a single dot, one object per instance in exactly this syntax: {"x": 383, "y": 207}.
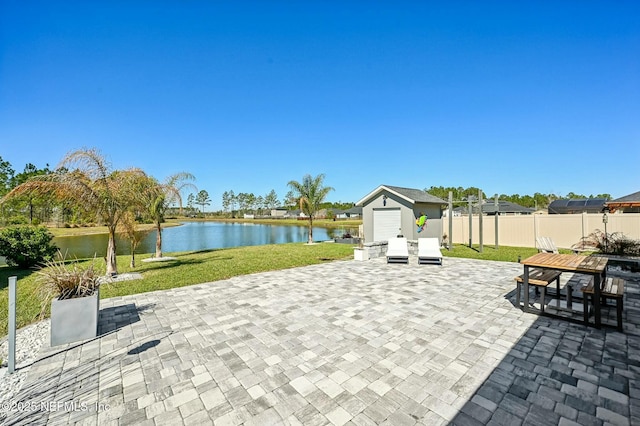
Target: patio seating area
{"x": 588, "y": 275}
{"x": 342, "y": 343}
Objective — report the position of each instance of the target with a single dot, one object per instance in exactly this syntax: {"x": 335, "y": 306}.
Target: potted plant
{"x": 73, "y": 290}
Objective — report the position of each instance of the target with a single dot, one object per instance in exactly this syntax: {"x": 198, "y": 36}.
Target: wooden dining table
{"x": 589, "y": 265}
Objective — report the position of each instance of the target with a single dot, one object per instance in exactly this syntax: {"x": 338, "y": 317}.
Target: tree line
{"x": 249, "y": 202}
{"x": 537, "y": 200}
{"x": 243, "y": 202}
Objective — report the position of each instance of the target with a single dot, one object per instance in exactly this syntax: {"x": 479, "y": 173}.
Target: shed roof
{"x": 410, "y": 194}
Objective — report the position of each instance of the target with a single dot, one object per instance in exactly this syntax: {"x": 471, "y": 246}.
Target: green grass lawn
{"x": 189, "y": 268}
{"x": 211, "y": 265}
{"x": 504, "y": 254}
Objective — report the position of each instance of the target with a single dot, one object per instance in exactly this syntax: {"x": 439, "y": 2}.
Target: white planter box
{"x": 360, "y": 254}
{"x": 74, "y": 319}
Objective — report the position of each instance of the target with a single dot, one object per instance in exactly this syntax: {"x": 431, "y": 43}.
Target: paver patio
{"x": 342, "y": 343}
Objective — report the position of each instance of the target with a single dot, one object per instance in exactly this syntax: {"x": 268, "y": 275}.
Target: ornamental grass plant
{"x": 59, "y": 279}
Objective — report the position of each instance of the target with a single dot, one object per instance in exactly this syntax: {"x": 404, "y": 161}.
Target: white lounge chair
{"x": 429, "y": 251}
{"x": 397, "y": 250}
{"x": 546, "y": 244}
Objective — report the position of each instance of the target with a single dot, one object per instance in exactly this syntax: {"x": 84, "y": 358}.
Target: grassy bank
{"x": 323, "y": 223}
{"x": 92, "y": 230}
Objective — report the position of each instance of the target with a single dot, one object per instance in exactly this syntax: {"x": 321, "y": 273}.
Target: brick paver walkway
{"x": 343, "y": 343}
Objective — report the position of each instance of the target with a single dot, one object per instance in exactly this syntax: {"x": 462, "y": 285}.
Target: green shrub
{"x": 622, "y": 245}
{"x": 17, "y": 220}
{"x": 26, "y": 246}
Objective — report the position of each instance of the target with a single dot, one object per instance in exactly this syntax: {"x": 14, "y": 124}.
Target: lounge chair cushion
{"x": 429, "y": 251}
{"x": 397, "y": 250}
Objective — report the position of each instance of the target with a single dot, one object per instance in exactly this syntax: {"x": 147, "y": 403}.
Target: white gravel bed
{"x": 29, "y": 340}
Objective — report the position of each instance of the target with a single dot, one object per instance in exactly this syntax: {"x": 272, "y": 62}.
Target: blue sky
{"x": 511, "y": 97}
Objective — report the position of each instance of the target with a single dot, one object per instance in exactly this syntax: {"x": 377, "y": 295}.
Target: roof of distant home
{"x": 631, "y": 200}
{"x": 410, "y": 194}
{"x": 488, "y": 207}
{"x": 352, "y": 210}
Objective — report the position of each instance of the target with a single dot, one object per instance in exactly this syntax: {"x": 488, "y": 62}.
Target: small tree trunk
{"x": 133, "y": 256}
{"x": 310, "y": 229}
{"x": 112, "y": 266}
{"x": 158, "y": 239}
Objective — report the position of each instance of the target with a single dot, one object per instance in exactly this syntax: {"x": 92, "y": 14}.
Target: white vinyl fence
{"x": 521, "y": 231}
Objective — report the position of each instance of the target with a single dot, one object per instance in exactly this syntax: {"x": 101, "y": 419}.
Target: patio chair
{"x": 546, "y": 244}
{"x": 397, "y": 250}
{"x": 429, "y": 251}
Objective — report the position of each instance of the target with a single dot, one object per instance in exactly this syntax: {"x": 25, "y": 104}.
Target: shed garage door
{"x": 386, "y": 224}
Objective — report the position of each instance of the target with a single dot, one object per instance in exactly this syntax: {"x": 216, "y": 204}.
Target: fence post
{"x": 480, "y": 229}
{"x": 12, "y": 325}
{"x": 497, "y": 209}
{"x": 470, "y": 197}
{"x": 450, "y": 220}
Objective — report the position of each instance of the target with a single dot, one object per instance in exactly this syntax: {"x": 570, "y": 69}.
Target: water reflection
{"x": 197, "y": 236}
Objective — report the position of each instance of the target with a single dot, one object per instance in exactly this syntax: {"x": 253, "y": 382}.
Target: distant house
{"x": 577, "y": 205}
{"x": 279, "y": 212}
{"x": 295, "y": 214}
{"x": 505, "y": 208}
{"x": 336, "y": 213}
{"x": 489, "y": 208}
{"x": 354, "y": 212}
{"x": 457, "y": 212}
{"x": 627, "y": 204}
{"x": 389, "y": 211}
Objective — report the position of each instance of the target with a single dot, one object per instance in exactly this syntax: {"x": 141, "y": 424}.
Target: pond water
{"x": 192, "y": 236}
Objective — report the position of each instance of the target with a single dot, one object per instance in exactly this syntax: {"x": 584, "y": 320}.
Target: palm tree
{"x": 85, "y": 179}
{"x": 162, "y": 196}
{"x": 310, "y": 194}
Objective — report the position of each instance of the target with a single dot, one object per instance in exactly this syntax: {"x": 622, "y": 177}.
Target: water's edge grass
{"x": 91, "y": 230}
